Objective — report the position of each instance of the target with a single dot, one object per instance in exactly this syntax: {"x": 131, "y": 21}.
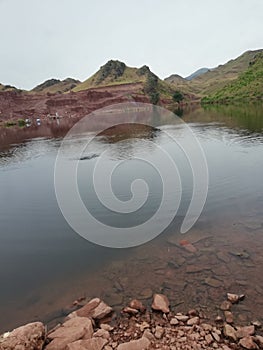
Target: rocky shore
{"x": 94, "y": 325}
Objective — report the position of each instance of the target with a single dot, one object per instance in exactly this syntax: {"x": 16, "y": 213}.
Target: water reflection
{"x": 45, "y": 265}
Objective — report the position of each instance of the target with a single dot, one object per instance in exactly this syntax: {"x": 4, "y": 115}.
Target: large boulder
{"x": 72, "y": 330}
{"x": 29, "y": 337}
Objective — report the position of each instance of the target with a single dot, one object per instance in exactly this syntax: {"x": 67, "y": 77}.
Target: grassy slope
{"x": 247, "y": 87}
{"x": 214, "y": 80}
{"x": 129, "y": 76}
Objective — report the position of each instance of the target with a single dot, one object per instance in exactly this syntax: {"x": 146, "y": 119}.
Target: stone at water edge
{"x": 72, "y": 330}
{"x": 29, "y": 337}
{"x": 160, "y": 303}
{"x": 136, "y": 304}
{"x": 235, "y": 298}
{"x": 95, "y": 308}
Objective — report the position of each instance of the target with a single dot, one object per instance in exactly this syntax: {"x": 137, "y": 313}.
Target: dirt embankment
{"x": 19, "y": 105}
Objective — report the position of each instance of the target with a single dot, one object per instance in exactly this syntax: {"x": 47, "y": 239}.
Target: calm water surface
{"x": 45, "y": 265}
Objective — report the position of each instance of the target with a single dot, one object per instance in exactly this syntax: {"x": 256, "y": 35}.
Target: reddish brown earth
{"x": 15, "y": 105}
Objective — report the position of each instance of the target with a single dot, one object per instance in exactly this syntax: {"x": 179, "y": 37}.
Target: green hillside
{"x": 215, "y": 79}
{"x": 247, "y": 87}
{"x": 56, "y": 85}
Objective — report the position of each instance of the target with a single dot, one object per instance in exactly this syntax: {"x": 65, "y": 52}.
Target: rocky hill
{"x": 8, "y": 88}
{"x": 56, "y": 85}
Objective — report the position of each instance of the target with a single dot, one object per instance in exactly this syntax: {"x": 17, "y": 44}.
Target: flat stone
{"x": 130, "y": 311}
{"x": 95, "y": 308}
{"x": 248, "y": 343}
{"x": 174, "y": 321}
{"x": 160, "y": 303}
{"x": 182, "y": 318}
{"x": 245, "y": 331}
{"x": 90, "y": 344}
{"x": 230, "y": 332}
{"x": 140, "y": 344}
{"x": 192, "y": 321}
{"x": 72, "y": 330}
{"x": 28, "y": 337}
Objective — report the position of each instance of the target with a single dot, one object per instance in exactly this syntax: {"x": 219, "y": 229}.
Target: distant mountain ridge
{"x": 197, "y": 73}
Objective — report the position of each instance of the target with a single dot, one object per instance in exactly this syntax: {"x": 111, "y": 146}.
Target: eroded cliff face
{"x": 21, "y": 105}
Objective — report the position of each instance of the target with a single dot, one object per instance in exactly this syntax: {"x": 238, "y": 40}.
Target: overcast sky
{"x": 42, "y": 39}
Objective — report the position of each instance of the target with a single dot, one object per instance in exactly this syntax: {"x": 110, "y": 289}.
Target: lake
{"x": 45, "y": 265}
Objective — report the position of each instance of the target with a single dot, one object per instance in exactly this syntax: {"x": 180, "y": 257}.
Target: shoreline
{"x": 96, "y": 325}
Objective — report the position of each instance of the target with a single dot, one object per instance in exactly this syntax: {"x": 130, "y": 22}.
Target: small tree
{"x": 178, "y": 96}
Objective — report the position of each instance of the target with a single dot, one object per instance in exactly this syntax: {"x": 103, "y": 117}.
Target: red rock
{"x": 95, "y": 308}
{"x": 230, "y": 332}
{"x": 140, "y": 344}
{"x": 160, "y": 303}
{"x": 233, "y": 298}
{"x": 72, "y": 330}
{"x": 248, "y": 343}
{"x": 245, "y": 331}
{"x": 136, "y": 304}
{"x": 130, "y": 311}
{"x": 229, "y": 317}
{"x": 28, "y": 337}
{"x": 90, "y": 344}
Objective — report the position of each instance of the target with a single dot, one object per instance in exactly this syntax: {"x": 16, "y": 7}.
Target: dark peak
{"x": 143, "y": 70}
{"x": 112, "y": 68}
{"x": 71, "y": 81}
{"x": 46, "y": 84}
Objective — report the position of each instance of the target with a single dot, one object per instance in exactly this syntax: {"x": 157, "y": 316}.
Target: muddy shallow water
{"x": 45, "y": 265}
